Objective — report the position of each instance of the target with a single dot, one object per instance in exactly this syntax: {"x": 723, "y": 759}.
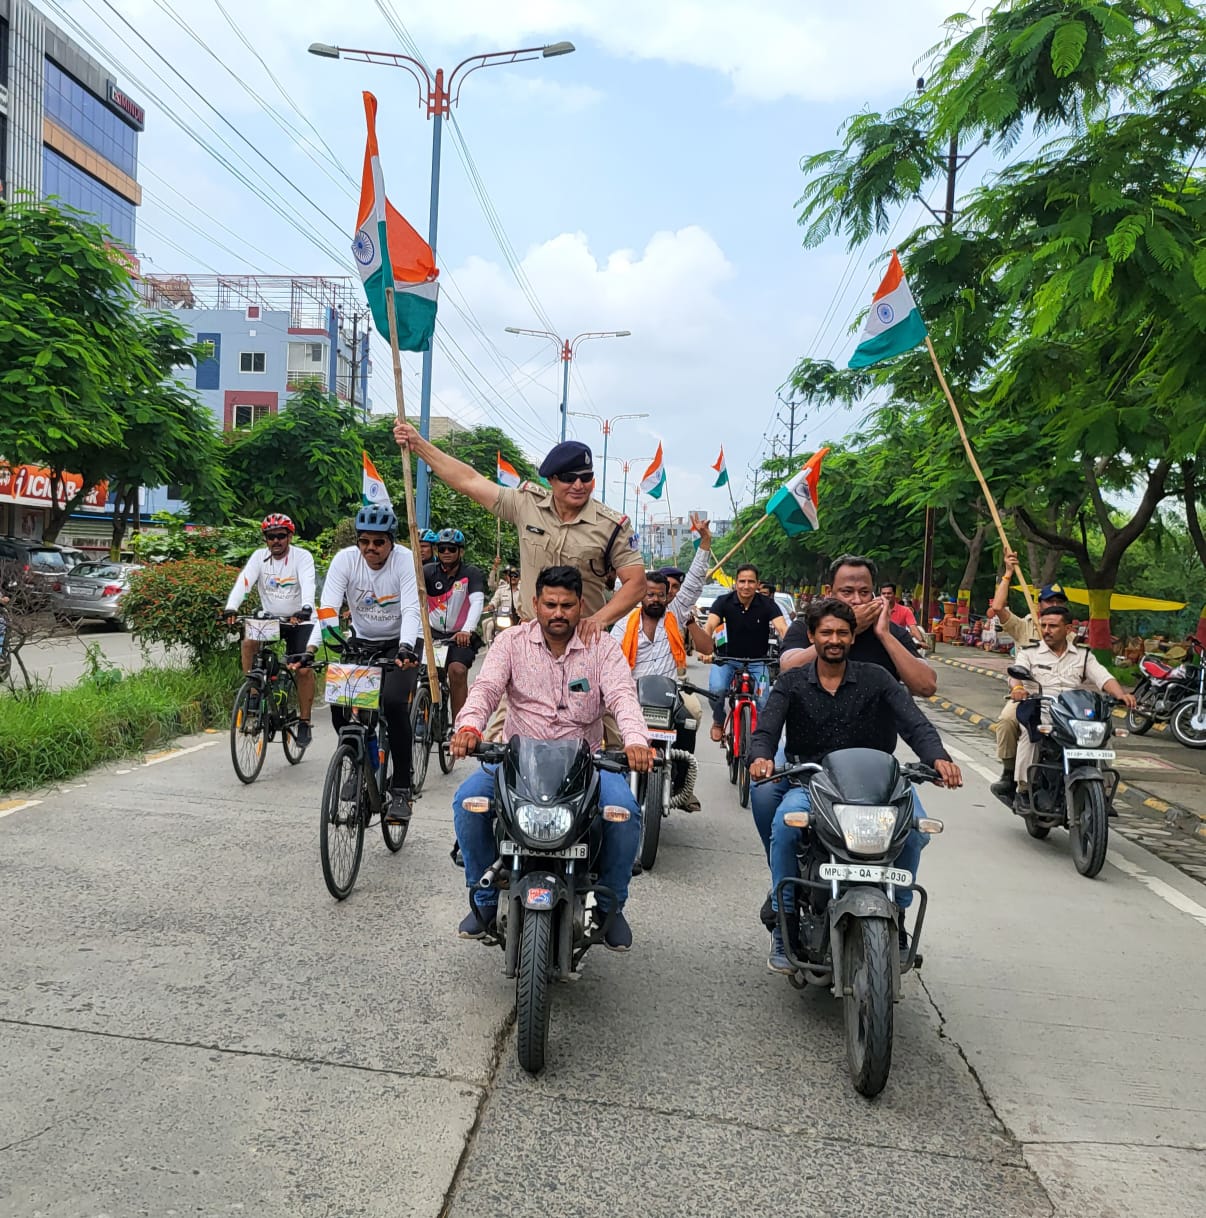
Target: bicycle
{"x": 740, "y": 721}
{"x": 266, "y": 703}
{"x": 430, "y": 723}
{"x": 357, "y": 781}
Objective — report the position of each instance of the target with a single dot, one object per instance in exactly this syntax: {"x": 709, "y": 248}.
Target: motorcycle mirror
{"x": 612, "y": 812}
{"x": 1016, "y": 670}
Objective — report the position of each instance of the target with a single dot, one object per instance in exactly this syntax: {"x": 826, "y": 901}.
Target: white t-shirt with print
{"x": 284, "y": 584}
{"x": 384, "y": 603}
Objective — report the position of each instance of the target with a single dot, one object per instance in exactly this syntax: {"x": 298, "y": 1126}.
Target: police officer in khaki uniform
{"x": 558, "y": 525}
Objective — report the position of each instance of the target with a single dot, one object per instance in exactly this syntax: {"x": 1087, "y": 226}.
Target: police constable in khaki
{"x": 562, "y": 525}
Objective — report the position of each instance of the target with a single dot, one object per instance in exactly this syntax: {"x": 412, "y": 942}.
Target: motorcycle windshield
{"x": 862, "y": 776}
{"x": 544, "y": 771}
{"x": 656, "y": 690}
{"x": 1082, "y": 704}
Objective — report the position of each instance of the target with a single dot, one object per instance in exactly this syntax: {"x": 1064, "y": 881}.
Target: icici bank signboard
{"x": 30, "y": 485}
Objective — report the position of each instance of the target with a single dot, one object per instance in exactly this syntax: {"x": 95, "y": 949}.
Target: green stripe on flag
{"x": 894, "y": 341}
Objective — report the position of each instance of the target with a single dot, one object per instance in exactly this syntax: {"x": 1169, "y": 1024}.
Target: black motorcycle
{"x": 549, "y": 829}
{"x": 1072, "y": 783}
{"x": 844, "y": 932}
{"x": 1159, "y": 691}
{"x": 671, "y": 731}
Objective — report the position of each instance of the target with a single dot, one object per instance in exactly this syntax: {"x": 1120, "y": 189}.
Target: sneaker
{"x": 637, "y": 869}
{"x": 767, "y": 915}
{"x": 399, "y": 808}
{"x": 619, "y": 934}
{"x": 302, "y": 734}
{"x": 475, "y": 924}
{"x": 1021, "y": 801}
{"x": 903, "y": 937}
{"x": 777, "y": 961}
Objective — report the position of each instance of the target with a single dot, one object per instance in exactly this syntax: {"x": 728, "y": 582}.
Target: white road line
{"x": 20, "y": 807}
{"x": 1166, "y": 892}
{"x": 208, "y": 744}
{"x": 968, "y": 760}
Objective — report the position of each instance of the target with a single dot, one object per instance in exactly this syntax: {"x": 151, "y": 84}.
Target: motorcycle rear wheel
{"x": 867, "y": 949}
{"x": 1090, "y": 831}
{"x": 533, "y": 983}
{"x": 1136, "y": 721}
{"x": 1183, "y": 728}
{"x": 1036, "y": 830}
{"x": 651, "y": 818}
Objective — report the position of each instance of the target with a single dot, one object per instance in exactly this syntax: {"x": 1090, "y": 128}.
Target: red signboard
{"x": 30, "y": 484}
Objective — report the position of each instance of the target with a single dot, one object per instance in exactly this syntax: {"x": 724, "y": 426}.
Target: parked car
{"x": 787, "y": 603}
{"x": 73, "y": 557}
{"x": 93, "y": 590}
{"x": 706, "y": 597}
{"x": 37, "y": 565}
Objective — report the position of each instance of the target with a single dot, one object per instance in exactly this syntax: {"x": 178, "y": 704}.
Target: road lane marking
{"x": 970, "y": 761}
{"x": 169, "y": 754}
{"x": 9, "y": 806}
{"x": 1166, "y": 892}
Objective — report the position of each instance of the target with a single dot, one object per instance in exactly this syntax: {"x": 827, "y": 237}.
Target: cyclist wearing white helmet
{"x": 376, "y": 577}
{"x": 283, "y": 574}
{"x": 456, "y": 593}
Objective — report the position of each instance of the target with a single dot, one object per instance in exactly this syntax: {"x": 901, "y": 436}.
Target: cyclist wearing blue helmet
{"x": 456, "y": 593}
{"x": 376, "y": 577}
{"x": 427, "y": 546}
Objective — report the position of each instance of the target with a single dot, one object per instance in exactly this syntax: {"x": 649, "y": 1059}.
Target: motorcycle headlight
{"x": 1088, "y": 735}
{"x": 544, "y": 823}
{"x": 867, "y": 828}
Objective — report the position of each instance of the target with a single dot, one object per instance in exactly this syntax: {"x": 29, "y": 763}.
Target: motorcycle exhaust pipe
{"x": 490, "y": 874}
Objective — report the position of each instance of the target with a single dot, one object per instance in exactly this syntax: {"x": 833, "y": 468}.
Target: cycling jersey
{"x": 454, "y": 599}
{"x": 384, "y": 603}
{"x": 284, "y": 584}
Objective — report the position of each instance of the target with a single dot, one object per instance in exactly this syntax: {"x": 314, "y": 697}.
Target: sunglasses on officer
{"x": 581, "y": 475}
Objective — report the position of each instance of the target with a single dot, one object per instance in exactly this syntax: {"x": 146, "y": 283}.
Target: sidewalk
{"x": 1162, "y": 781}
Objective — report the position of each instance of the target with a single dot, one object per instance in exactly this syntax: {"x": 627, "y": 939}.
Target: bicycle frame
{"x": 357, "y": 731}
{"x": 742, "y": 691}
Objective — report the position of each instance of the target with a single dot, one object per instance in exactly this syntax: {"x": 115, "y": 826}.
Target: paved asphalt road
{"x": 62, "y": 660}
{"x": 188, "y": 1023}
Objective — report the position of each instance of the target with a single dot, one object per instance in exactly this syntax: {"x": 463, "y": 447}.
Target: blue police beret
{"x": 568, "y": 457}
{"x": 1052, "y": 592}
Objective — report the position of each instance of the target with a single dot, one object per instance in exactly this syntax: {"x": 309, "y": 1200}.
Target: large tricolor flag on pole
{"x": 722, "y": 470}
{"x": 893, "y": 326}
{"x": 794, "y": 504}
{"x": 508, "y": 475}
{"x": 389, "y": 253}
{"x": 654, "y": 481}
{"x": 372, "y": 487}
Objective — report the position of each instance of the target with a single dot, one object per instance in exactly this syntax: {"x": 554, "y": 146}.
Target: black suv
{"x": 37, "y": 566}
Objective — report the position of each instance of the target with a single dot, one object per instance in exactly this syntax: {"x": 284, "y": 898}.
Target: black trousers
{"x": 397, "y": 686}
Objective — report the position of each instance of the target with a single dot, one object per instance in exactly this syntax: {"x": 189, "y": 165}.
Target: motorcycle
{"x": 1159, "y": 691}
{"x": 843, "y": 934}
{"x": 548, "y": 828}
{"x": 494, "y": 622}
{"x": 1072, "y": 784}
{"x": 1188, "y": 718}
{"x": 671, "y": 733}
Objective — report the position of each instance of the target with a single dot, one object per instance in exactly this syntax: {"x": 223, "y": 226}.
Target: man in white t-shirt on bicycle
{"x": 283, "y": 575}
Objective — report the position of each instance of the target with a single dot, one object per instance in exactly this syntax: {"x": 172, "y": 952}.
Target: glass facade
{"x": 90, "y": 120}
{"x": 62, "y": 178}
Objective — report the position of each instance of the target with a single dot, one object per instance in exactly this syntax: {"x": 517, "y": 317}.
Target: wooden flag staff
{"x": 739, "y": 543}
{"x": 971, "y": 456}
{"x": 433, "y": 680}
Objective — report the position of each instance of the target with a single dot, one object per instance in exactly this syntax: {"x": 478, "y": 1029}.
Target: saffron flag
{"x": 654, "y": 481}
{"x": 722, "y": 470}
{"x": 794, "y": 505}
{"x": 507, "y": 475}
{"x": 372, "y": 487}
{"x": 390, "y": 254}
{"x": 893, "y": 326}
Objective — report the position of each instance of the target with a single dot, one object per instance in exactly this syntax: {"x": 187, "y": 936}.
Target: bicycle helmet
{"x": 277, "y": 520}
{"x": 429, "y": 537}
{"x": 450, "y": 537}
{"x": 374, "y": 519}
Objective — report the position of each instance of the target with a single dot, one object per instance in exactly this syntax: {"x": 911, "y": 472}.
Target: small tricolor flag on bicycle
{"x": 894, "y": 325}
{"x": 372, "y": 486}
{"x": 508, "y": 475}
{"x": 794, "y": 504}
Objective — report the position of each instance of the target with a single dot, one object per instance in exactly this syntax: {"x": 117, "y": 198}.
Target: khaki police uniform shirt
{"x": 1075, "y": 669}
{"x": 545, "y": 540}
{"x": 1022, "y": 630}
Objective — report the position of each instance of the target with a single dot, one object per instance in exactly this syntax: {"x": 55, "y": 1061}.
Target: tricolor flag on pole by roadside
{"x": 372, "y": 487}
{"x": 722, "y": 470}
{"x": 654, "y": 481}
{"x": 508, "y": 475}
{"x": 390, "y": 254}
{"x": 794, "y": 504}
{"x": 893, "y": 326}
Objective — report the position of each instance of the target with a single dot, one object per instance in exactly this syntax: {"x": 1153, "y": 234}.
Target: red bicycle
{"x": 741, "y": 718}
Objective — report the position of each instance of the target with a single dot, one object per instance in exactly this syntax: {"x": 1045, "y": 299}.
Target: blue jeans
{"x": 765, "y": 799}
{"x": 721, "y": 677}
{"x": 475, "y": 833}
{"x": 785, "y": 845}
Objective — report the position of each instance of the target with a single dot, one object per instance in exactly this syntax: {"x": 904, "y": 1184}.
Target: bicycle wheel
{"x": 444, "y": 738}
{"x": 341, "y": 822}
{"x": 290, "y": 715}
{"x": 394, "y": 835}
{"x": 247, "y": 732}
{"x": 743, "y": 761}
{"x": 730, "y": 751}
{"x": 420, "y": 736}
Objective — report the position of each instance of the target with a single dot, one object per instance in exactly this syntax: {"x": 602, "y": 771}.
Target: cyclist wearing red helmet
{"x": 283, "y": 574}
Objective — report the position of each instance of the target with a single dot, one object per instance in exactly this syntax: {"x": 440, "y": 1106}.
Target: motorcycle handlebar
{"x": 911, "y": 773}
{"x": 615, "y": 761}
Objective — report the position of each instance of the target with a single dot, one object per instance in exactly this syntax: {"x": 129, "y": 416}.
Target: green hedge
{"x": 50, "y": 736}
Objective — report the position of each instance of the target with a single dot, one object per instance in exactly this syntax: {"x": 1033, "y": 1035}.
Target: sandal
{"x": 717, "y": 734}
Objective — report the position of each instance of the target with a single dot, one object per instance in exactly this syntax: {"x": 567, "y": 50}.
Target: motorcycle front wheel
{"x": 1192, "y": 735}
{"x": 867, "y": 948}
{"x": 651, "y": 817}
{"x": 1089, "y": 828}
{"x": 533, "y": 983}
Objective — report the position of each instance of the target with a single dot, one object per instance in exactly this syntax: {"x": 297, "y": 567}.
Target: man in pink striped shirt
{"x": 557, "y": 688}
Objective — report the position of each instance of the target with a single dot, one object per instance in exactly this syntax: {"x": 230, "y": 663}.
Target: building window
{"x": 66, "y": 181}
{"x": 249, "y": 416}
{"x": 252, "y": 361}
{"x": 89, "y": 119}
{"x": 209, "y": 361}
{"x": 315, "y": 352}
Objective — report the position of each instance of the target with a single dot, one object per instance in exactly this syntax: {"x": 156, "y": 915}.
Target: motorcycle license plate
{"x": 1089, "y": 754}
{"x": 864, "y": 873}
{"x": 657, "y": 733}
{"x": 577, "y": 851}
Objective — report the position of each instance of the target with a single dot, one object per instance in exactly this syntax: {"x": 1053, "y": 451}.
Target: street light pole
{"x": 566, "y": 348}
{"x": 626, "y": 466}
{"x": 607, "y": 426}
{"x": 439, "y": 97}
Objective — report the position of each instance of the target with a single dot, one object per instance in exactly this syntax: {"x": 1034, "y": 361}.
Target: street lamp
{"x": 607, "y": 425}
{"x": 567, "y": 347}
{"x": 439, "y": 94}
{"x": 626, "y": 466}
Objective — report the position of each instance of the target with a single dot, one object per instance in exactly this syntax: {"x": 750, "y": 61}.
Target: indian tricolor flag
{"x": 508, "y": 475}
{"x": 390, "y": 254}
{"x": 893, "y": 326}
{"x": 794, "y": 505}
{"x": 722, "y": 470}
{"x": 654, "y": 481}
{"x": 372, "y": 486}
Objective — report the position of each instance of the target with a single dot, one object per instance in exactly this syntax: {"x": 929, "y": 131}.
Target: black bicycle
{"x": 430, "y": 723}
{"x": 266, "y": 704}
{"x": 357, "y": 782}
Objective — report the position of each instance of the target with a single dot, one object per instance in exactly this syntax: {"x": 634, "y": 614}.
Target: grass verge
{"x": 49, "y": 736}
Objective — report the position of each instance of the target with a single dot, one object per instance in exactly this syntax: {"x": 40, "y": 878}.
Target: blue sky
{"x": 646, "y": 182}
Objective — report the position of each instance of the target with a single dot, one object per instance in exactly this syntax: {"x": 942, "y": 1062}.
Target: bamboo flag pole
{"x": 433, "y": 680}
{"x": 740, "y": 542}
{"x": 971, "y": 456}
